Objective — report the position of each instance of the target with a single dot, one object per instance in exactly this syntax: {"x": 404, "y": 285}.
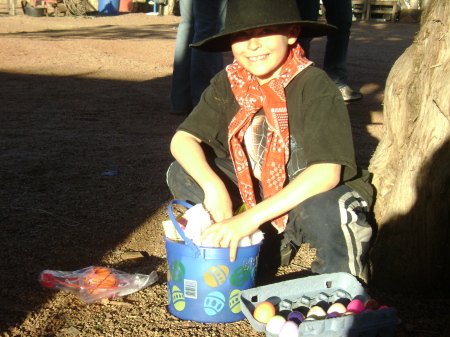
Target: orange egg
{"x": 264, "y": 311}
{"x": 101, "y": 277}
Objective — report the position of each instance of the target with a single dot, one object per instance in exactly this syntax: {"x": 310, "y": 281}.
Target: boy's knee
{"x": 182, "y": 185}
{"x": 317, "y": 209}
{"x": 317, "y": 219}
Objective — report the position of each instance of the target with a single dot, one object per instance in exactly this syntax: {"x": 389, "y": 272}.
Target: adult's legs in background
{"x": 309, "y": 11}
{"x": 193, "y": 69}
{"x": 180, "y": 94}
{"x": 338, "y": 13}
{"x": 209, "y": 20}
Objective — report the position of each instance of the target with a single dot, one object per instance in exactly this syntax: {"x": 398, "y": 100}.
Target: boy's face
{"x": 262, "y": 51}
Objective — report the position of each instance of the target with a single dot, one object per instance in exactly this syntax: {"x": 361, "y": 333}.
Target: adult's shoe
{"x": 348, "y": 94}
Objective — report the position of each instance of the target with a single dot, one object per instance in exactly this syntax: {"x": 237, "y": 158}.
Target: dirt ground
{"x": 84, "y": 146}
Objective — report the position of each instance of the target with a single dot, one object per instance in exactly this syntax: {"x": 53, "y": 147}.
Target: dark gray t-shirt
{"x": 319, "y": 125}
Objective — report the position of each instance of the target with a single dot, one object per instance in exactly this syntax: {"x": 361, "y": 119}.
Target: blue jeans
{"x": 338, "y": 13}
{"x": 333, "y": 222}
{"x": 193, "y": 69}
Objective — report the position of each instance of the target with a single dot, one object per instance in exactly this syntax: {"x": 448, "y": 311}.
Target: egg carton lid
{"x": 311, "y": 290}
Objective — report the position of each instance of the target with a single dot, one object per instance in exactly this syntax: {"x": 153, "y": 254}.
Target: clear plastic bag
{"x": 93, "y": 284}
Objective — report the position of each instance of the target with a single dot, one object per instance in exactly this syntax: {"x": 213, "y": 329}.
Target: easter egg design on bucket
{"x": 214, "y": 303}
{"x": 216, "y": 275}
{"x": 169, "y": 295}
{"x": 234, "y": 302}
{"x": 239, "y": 276}
{"x": 178, "y": 299}
{"x": 177, "y": 271}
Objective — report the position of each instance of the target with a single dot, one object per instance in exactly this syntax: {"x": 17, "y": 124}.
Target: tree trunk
{"x": 414, "y": 4}
{"x": 411, "y": 165}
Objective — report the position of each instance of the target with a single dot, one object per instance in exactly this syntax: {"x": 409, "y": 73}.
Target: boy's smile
{"x": 262, "y": 51}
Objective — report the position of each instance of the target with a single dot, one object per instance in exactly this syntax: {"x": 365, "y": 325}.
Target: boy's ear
{"x": 293, "y": 34}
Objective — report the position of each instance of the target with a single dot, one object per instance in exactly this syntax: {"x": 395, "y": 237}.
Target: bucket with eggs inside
{"x": 203, "y": 285}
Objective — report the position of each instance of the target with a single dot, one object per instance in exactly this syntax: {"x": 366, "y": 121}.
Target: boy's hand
{"x": 228, "y": 233}
{"x": 218, "y": 203}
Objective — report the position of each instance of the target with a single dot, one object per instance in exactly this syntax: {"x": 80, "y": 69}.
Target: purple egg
{"x": 368, "y": 310}
{"x": 296, "y": 317}
{"x": 333, "y": 315}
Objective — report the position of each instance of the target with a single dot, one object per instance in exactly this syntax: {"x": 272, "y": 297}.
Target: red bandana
{"x": 251, "y": 98}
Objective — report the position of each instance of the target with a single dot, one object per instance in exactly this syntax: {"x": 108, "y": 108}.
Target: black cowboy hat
{"x": 250, "y": 14}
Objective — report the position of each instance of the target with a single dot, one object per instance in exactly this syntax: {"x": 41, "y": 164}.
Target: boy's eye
{"x": 267, "y": 31}
{"x": 239, "y": 36}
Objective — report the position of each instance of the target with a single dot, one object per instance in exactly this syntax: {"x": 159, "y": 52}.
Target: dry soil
{"x": 85, "y": 130}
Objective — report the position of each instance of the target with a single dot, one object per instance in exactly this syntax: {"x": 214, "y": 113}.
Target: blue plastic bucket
{"x": 108, "y": 7}
{"x": 203, "y": 285}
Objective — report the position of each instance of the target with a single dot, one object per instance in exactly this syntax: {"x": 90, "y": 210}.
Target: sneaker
{"x": 271, "y": 259}
{"x": 348, "y": 94}
{"x": 287, "y": 254}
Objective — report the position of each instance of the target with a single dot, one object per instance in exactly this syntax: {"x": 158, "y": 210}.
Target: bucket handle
{"x": 191, "y": 245}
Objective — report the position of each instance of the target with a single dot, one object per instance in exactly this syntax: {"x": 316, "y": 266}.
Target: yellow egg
{"x": 316, "y": 312}
{"x": 178, "y": 299}
{"x": 264, "y": 311}
{"x": 235, "y": 302}
{"x": 336, "y": 308}
{"x": 216, "y": 275}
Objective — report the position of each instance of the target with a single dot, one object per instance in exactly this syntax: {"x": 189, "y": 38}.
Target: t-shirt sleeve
{"x": 210, "y": 118}
{"x": 321, "y": 122}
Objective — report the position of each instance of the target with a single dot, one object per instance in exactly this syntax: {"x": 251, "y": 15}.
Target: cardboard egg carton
{"x": 309, "y": 291}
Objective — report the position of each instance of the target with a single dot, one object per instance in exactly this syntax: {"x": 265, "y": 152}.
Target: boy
{"x": 273, "y": 131}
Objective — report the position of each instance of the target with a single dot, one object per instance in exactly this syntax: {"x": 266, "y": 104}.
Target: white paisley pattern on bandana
{"x": 251, "y": 98}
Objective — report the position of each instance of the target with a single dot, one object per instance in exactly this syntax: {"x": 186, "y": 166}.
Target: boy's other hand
{"x": 218, "y": 204}
{"x": 228, "y": 233}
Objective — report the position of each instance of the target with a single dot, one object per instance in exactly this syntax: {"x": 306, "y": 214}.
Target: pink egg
{"x": 383, "y": 307}
{"x": 356, "y": 306}
{"x": 289, "y": 329}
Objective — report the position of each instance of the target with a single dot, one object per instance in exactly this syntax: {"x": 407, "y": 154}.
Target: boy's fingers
{"x": 206, "y": 232}
{"x": 233, "y": 250}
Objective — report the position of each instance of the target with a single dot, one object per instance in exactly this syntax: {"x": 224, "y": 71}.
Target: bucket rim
{"x": 209, "y": 253}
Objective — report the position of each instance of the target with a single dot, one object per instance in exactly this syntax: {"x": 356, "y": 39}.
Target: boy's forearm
{"x": 313, "y": 180}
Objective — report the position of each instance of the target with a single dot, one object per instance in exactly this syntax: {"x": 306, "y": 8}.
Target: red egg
{"x": 372, "y": 304}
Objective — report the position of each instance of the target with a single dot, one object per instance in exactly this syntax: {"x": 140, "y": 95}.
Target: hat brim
{"x": 222, "y": 42}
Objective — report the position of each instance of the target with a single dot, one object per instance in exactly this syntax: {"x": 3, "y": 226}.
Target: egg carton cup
{"x": 309, "y": 291}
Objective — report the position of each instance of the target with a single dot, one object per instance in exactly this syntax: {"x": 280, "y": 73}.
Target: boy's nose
{"x": 254, "y": 43}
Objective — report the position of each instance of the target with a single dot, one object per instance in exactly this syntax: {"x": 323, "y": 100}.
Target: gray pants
{"x": 333, "y": 222}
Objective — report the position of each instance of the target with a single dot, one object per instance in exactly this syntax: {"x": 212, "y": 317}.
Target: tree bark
{"x": 411, "y": 165}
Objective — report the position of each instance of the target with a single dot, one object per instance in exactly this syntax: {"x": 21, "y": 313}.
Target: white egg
{"x": 289, "y": 329}
{"x": 275, "y": 324}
